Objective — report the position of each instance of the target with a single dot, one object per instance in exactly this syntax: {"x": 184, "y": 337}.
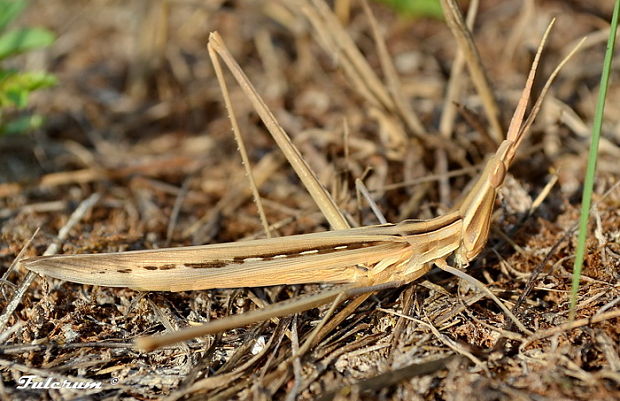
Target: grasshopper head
{"x": 477, "y": 211}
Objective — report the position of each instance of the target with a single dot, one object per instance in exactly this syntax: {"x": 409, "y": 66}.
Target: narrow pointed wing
{"x": 330, "y": 257}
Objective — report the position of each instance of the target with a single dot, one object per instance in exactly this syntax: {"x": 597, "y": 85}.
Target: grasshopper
{"x": 363, "y": 259}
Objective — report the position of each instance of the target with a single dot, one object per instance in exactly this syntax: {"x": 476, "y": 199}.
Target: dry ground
{"x": 138, "y": 118}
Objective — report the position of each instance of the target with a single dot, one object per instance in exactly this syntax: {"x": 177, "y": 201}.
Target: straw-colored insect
{"x": 365, "y": 258}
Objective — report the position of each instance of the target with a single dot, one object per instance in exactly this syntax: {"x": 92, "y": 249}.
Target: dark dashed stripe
{"x": 207, "y": 265}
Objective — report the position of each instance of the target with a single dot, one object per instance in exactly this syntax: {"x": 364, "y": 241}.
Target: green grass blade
{"x": 592, "y": 157}
{"x": 9, "y": 10}
{"x": 416, "y": 8}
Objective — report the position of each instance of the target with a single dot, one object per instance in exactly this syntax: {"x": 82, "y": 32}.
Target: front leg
{"x": 443, "y": 265}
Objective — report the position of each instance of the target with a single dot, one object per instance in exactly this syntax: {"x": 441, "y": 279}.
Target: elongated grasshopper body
{"x": 364, "y": 258}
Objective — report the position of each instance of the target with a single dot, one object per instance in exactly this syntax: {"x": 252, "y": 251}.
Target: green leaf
{"x": 21, "y": 125}
{"x": 24, "y": 39}
{"x": 15, "y": 87}
{"x": 416, "y": 8}
{"x": 9, "y": 10}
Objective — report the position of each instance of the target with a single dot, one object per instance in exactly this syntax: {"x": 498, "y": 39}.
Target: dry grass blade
{"x": 336, "y": 38}
{"x": 5, "y": 276}
{"x": 81, "y": 210}
{"x": 613, "y": 314}
{"x": 464, "y": 38}
{"x": 275, "y": 310}
{"x": 448, "y": 114}
{"x": 391, "y": 76}
{"x": 387, "y": 105}
{"x": 392, "y": 377}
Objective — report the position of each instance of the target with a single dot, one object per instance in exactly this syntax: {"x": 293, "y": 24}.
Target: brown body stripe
{"x": 150, "y": 267}
{"x": 207, "y": 265}
{"x": 167, "y": 267}
{"x": 124, "y": 270}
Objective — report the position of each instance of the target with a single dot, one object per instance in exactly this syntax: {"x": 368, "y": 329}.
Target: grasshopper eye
{"x": 498, "y": 173}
